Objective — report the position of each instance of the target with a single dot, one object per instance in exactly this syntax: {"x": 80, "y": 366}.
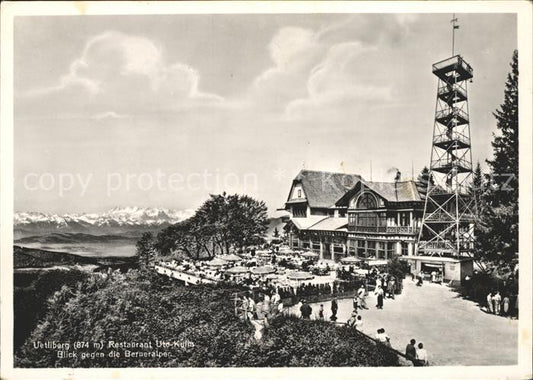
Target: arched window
{"x": 366, "y": 201}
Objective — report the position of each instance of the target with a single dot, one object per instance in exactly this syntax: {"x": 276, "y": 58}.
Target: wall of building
{"x": 467, "y": 269}
{"x": 452, "y": 271}
{"x": 297, "y": 188}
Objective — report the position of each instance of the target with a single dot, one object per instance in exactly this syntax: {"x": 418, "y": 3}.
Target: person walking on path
{"x": 361, "y": 293}
{"x": 392, "y": 287}
{"x": 251, "y": 307}
{"x": 352, "y": 320}
{"x": 410, "y": 351}
{"x": 266, "y": 304}
{"x": 497, "y": 299}
{"x": 299, "y": 308}
{"x": 244, "y": 307}
{"x": 355, "y": 302}
{"x": 321, "y": 313}
{"x": 334, "y": 308}
{"x": 489, "y": 303}
{"x": 382, "y": 337}
{"x": 276, "y": 298}
{"x": 506, "y": 303}
{"x": 306, "y": 311}
{"x": 421, "y": 356}
{"x": 379, "y": 294}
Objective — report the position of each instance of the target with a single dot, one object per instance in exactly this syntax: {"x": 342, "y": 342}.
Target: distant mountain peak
{"x": 117, "y": 219}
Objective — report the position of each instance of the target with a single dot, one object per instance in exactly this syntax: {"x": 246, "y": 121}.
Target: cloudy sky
{"x": 164, "y": 110}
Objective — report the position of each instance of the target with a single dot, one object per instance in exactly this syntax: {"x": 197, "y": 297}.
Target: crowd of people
{"x": 498, "y": 305}
{"x": 260, "y": 307}
{"x": 416, "y": 354}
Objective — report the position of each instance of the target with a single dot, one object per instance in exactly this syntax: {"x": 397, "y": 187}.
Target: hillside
{"x": 143, "y": 307}
{"x": 75, "y": 238}
{"x": 38, "y": 258}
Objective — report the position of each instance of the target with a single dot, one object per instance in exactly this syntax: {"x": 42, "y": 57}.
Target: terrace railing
{"x": 384, "y": 229}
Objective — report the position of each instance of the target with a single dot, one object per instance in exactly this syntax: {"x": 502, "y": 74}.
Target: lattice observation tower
{"x": 450, "y": 206}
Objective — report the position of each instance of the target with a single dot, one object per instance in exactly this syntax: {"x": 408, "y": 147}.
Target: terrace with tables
{"x": 292, "y": 273}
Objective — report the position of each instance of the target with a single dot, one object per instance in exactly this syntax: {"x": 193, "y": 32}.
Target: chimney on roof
{"x": 398, "y": 176}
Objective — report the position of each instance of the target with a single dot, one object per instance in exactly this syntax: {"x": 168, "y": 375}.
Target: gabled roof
{"x": 330, "y": 224}
{"x": 402, "y": 191}
{"x": 320, "y": 223}
{"x": 305, "y": 223}
{"x": 322, "y": 189}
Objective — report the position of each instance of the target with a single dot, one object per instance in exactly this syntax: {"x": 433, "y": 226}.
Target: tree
{"x": 222, "y": 222}
{"x": 504, "y": 165}
{"x": 477, "y": 181}
{"x": 497, "y": 229}
{"x": 233, "y": 220}
{"x": 146, "y": 249}
{"x": 140, "y": 307}
{"x": 31, "y": 292}
{"x": 424, "y": 179}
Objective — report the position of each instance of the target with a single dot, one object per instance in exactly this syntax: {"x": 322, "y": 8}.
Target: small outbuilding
{"x": 449, "y": 268}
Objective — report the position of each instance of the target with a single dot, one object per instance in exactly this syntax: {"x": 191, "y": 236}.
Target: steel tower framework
{"x": 450, "y": 204}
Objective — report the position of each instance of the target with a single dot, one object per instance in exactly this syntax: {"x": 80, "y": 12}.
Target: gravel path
{"x": 454, "y": 331}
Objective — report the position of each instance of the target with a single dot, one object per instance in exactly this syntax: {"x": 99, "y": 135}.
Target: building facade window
{"x": 405, "y": 249}
{"x": 299, "y": 193}
{"x": 337, "y": 248}
{"x": 404, "y": 219}
{"x": 367, "y": 219}
{"x": 366, "y": 201}
{"x": 299, "y": 212}
{"x": 361, "y": 249}
{"x": 371, "y": 248}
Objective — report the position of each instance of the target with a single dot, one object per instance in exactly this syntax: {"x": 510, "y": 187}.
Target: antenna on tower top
{"x": 454, "y": 26}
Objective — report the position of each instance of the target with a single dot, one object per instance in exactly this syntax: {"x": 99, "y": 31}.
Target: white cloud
{"x": 310, "y": 68}
{"x": 335, "y": 82}
{"x": 126, "y": 72}
{"x": 290, "y": 49}
{"x": 319, "y": 72}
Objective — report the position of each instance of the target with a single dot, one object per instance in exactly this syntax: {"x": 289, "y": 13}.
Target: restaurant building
{"x": 339, "y": 215}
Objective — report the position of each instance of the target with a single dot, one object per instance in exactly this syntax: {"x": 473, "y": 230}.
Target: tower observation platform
{"x": 449, "y": 211}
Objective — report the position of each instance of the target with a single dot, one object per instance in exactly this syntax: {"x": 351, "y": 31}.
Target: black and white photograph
{"x": 275, "y": 187}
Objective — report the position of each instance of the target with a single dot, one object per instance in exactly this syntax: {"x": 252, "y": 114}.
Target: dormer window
{"x": 366, "y": 201}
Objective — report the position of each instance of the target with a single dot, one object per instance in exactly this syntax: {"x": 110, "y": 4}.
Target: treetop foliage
{"x": 221, "y": 223}
{"x": 141, "y": 306}
{"x": 497, "y": 192}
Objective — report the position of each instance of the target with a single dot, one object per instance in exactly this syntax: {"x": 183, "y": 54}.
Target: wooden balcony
{"x": 403, "y": 230}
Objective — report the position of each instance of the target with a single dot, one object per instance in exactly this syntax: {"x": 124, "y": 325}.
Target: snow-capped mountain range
{"x": 119, "y": 220}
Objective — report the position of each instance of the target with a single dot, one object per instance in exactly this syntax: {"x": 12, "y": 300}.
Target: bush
{"x": 482, "y": 283}
{"x": 290, "y": 341}
{"x": 31, "y": 292}
{"x": 398, "y": 268}
{"x": 140, "y": 307}
{"x": 143, "y": 307}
